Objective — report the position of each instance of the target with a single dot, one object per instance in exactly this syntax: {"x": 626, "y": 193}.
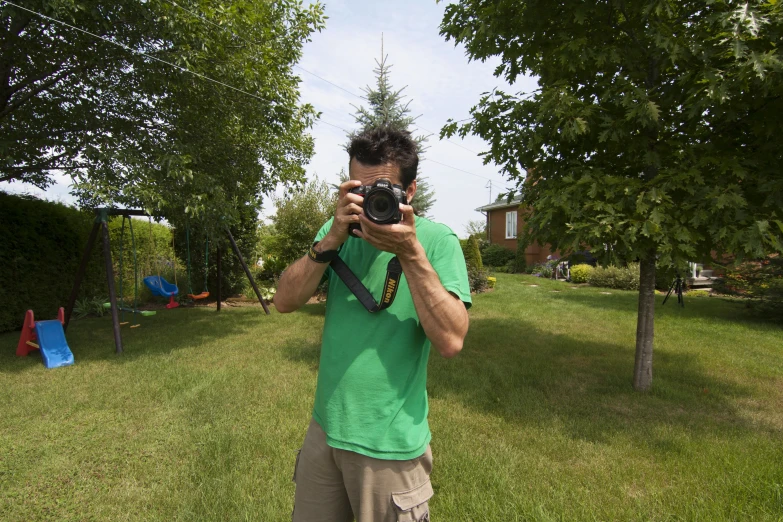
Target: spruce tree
{"x": 388, "y": 107}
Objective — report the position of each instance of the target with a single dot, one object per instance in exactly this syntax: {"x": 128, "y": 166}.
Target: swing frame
{"x": 101, "y": 224}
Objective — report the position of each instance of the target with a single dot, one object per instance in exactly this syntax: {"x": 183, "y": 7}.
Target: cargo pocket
{"x": 296, "y": 465}
{"x": 412, "y": 506}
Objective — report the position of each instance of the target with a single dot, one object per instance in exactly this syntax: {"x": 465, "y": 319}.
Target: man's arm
{"x": 442, "y": 315}
{"x": 300, "y": 280}
{"x": 298, "y": 283}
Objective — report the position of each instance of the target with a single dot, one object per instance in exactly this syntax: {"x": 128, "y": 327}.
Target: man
{"x": 366, "y": 452}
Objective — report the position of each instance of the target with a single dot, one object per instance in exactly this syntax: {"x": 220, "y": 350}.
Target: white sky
{"x": 441, "y": 84}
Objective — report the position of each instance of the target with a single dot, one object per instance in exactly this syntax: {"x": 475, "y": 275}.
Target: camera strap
{"x": 393, "y": 274}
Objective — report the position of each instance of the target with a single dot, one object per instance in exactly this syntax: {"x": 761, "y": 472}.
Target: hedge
{"x": 42, "y": 245}
{"x": 621, "y": 278}
{"x": 496, "y": 255}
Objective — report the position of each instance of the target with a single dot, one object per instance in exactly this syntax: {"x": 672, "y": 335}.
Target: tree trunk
{"x": 645, "y": 323}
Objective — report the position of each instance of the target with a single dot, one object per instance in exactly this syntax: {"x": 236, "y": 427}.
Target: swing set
{"x": 161, "y": 287}
{"x": 157, "y": 284}
{"x": 122, "y": 306}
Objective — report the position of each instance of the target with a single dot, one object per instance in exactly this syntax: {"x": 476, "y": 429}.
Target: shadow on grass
{"x": 530, "y": 377}
{"x": 313, "y": 309}
{"x": 710, "y": 308}
{"x": 303, "y": 351}
{"x": 92, "y": 339}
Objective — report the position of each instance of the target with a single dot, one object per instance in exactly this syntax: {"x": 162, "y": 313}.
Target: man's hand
{"x": 399, "y": 239}
{"x": 349, "y": 206}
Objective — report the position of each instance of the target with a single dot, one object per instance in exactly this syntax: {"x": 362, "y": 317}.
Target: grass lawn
{"x": 535, "y": 420}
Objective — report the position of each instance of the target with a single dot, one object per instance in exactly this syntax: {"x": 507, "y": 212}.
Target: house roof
{"x": 500, "y": 204}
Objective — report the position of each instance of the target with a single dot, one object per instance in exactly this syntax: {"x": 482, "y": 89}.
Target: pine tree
{"x": 388, "y": 107}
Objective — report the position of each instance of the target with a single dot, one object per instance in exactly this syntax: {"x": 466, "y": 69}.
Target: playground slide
{"x": 54, "y": 348}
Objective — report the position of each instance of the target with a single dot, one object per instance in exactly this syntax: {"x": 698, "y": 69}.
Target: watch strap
{"x": 321, "y": 257}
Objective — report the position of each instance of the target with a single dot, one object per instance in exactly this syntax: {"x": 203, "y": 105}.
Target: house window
{"x": 511, "y": 225}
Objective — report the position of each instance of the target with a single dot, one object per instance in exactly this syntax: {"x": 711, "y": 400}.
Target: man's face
{"x": 369, "y": 174}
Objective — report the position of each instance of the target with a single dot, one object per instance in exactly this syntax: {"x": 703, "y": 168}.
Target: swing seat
{"x": 196, "y": 297}
{"x": 160, "y": 286}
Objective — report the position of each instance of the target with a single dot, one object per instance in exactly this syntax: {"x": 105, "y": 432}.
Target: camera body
{"x": 381, "y": 203}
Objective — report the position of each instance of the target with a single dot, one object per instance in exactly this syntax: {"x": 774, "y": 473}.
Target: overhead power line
{"x": 207, "y": 78}
{"x": 455, "y": 168}
{"x": 138, "y": 53}
{"x": 224, "y": 28}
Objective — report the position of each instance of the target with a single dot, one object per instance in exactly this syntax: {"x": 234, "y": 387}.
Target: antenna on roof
{"x": 489, "y": 186}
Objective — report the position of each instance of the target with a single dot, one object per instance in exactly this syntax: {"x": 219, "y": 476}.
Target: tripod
{"x": 677, "y": 286}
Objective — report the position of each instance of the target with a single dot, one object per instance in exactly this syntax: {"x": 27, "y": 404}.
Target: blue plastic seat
{"x": 160, "y": 286}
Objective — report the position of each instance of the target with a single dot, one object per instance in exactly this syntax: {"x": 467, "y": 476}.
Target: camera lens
{"x": 381, "y": 206}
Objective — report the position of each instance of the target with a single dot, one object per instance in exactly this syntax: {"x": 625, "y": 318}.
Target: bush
{"x": 470, "y": 249}
{"x": 581, "y": 257}
{"x": 496, "y": 255}
{"x": 519, "y": 264}
{"x": 477, "y": 277}
{"x": 543, "y": 270}
{"x": 546, "y": 269}
{"x": 761, "y": 281}
{"x": 581, "y": 273}
{"x": 42, "y": 245}
{"x": 665, "y": 276}
{"x": 298, "y": 218}
{"x": 621, "y": 278}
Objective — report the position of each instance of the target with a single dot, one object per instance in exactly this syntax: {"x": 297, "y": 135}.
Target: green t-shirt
{"x": 371, "y": 396}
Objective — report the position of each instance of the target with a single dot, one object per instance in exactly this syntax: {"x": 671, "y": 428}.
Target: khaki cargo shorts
{"x": 335, "y": 485}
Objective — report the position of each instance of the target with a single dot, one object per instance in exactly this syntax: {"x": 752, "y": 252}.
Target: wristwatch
{"x": 321, "y": 257}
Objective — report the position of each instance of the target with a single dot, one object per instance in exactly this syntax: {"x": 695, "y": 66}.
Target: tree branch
{"x": 17, "y": 172}
{"x": 9, "y": 108}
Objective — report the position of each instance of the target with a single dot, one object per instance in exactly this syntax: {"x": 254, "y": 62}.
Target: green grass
{"x": 201, "y": 418}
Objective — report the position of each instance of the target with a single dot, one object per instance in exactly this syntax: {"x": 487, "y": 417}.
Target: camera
{"x": 381, "y": 203}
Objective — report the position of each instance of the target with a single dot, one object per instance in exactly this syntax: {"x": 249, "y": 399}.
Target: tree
{"x": 298, "y": 218}
{"x": 387, "y": 107}
{"x": 476, "y": 227}
{"x": 652, "y": 135}
{"x": 132, "y": 130}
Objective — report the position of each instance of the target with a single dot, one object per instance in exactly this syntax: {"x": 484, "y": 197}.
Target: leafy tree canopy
{"x": 655, "y": 126}
{"x": 134, "y": 131}
{"x": 298, "y": 218}
{"x": 653, "y": 133}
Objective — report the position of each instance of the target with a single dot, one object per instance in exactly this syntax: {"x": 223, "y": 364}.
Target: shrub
{"x": 298, "y": 218}
{"x": 496, "y": 255}
{"x": 581, "y": 273}
{"x": 492, "y": 281}
{"x": 477, "y": 277}
{"x": 90, "y": 306}
{"x": 665, "y": 276}
{"x": 698, "y": 293}
{"x": 42, "y": 244}
{"x": 470, "y": 249}
{"x": 581, "y": 257}
{"x": 761, "y": 281}
{"x": 519, "y": 263}
{"x": 621, "y": 278}
{"x": 543, "y": 270}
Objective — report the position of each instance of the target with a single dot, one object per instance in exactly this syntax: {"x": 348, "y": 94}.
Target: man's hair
{"x": 383, "y": 145}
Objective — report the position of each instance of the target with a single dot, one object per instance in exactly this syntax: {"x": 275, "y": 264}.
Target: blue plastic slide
{"x": 160, "y": 286}
{"x": 54, "y": 348}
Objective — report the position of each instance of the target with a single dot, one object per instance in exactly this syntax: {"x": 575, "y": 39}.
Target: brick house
{"x": 504, "y": 219}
